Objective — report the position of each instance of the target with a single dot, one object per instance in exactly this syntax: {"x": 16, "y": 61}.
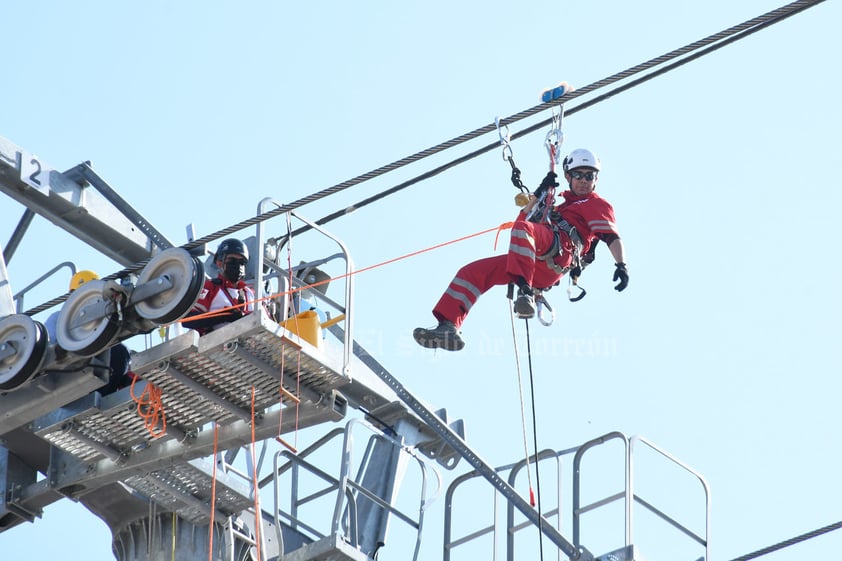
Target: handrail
{"x": 18, "y": 298}
{"x": 704, "y": 541}
{"x": 347, "y": 489}
{"x": 577, "y": 461}
{"x": 349, "y": 277}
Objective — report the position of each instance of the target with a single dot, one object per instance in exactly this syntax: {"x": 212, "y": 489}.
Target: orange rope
{"x": 292, "y": 291}
{"x": 500, "y": 228}
{"x": 150, "y": 407}
{"x": 291, "y": 397}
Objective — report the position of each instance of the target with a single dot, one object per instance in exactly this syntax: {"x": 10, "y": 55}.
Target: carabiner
{"x": 554, "y": 138}
{"x": 542, "y": 303}
{"x": 504, "y": 140}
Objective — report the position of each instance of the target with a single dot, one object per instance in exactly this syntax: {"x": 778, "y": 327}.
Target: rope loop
{"x": 150, "y": 407}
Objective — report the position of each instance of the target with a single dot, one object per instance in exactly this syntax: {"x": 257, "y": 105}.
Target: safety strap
{"x": 576, "y": 263}
{"x": 555, "y": 248}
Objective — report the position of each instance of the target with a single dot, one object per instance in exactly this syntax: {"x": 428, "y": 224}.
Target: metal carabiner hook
{"x": 542, "y": 303}
{"x": 504, "y": 140}
{"x": 554, "y": 138}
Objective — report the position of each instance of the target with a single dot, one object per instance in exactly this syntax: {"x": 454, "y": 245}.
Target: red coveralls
{"x": 213, "y": 298}
{"x": 591, "y": 215}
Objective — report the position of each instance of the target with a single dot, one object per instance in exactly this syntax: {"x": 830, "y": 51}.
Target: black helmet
{"x": 231, "y": 245}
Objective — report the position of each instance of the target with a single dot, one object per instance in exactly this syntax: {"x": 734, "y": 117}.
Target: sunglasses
{"x": 586, "y": 175}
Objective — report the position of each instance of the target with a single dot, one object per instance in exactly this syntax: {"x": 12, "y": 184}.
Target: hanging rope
{"x": 535, "y": 437}
{"x": 150, "y": 407}
{"x": 712, "y": 42}
{"x": 284, "y": 393}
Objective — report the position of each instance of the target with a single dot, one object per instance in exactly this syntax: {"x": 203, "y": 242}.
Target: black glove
{"x": 621, "y": 274}
{"x": 548, "y": 181}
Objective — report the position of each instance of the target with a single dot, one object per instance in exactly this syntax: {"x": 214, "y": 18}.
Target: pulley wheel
{"x": 187, "y": 277}
{"x": 80, "y": 335}
{"x": 28, "y": 338}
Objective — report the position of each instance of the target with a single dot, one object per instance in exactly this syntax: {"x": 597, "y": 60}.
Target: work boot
{"x": 443, "y": 336}
{"x": 525, "y": 305}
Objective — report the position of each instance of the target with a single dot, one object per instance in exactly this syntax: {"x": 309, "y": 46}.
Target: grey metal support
{"x": 88, "y": 174}
{"x": 64, "y": 200}
{"x": 17, "y": 235}
{"x": 7, "y": 301}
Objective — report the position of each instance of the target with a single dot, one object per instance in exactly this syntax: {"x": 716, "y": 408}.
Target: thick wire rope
{"x": 792, "y": 541}
{"x": 736, "y": 32}
{"x": 723, "y": 38}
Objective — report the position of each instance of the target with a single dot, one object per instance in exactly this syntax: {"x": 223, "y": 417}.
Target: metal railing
{"x": 554, "y": 513}
{"x": 346, "y": 489}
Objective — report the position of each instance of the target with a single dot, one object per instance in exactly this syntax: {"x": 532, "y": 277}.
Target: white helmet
{"x": 581, "y": 158}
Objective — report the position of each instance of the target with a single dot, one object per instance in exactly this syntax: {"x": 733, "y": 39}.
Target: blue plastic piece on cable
{"x": 554, "y": 93}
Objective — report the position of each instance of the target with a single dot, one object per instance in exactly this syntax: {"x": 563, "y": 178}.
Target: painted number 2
{"x": 33, "y": 173}
{"x": 33, "y": 177}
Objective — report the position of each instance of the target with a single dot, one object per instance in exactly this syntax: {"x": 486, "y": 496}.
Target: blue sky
{"x": 723, "y": 175}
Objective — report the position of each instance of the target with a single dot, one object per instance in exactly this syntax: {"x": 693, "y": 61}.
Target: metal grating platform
{"x": 96, "y": 427}
{"x": 210, "y": 378}
{"x": 186, "y": 490}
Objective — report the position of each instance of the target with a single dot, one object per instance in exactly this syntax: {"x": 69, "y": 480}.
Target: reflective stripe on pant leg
{"x": 472, "y": 280}
{"x": 528, "y": 240}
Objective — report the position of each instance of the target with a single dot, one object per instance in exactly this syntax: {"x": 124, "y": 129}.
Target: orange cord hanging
{"x": 150, "y": 407}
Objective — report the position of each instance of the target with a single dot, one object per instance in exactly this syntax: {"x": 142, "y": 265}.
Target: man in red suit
{"x": 544, "y": 245}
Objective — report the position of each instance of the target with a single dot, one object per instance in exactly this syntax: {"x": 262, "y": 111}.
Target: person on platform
{"x": 227, "y": 294}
